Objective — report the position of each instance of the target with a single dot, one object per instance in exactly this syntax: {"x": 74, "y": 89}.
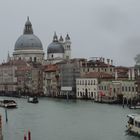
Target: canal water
{"x": 55, "y": 119}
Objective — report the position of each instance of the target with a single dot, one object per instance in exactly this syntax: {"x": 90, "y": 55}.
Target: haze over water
{"x": 53, "y": 119}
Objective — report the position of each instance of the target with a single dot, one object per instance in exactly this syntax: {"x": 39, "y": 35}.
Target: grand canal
{"x": 53, "y": 119}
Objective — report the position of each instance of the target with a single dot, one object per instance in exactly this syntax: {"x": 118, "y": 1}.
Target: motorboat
{"x": 8, "y": 103}
{"x": 136, "y": 106}
{"x": 133, "y": 124}
{"x": 33, "y": 99}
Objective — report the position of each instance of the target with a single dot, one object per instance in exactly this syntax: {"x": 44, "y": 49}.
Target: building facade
{"x": 97, "y": 64}
{"x": 86, "y": 88}
{"x": 68, "y": 74}
{"x": 8, "y": 80}
{"x": 51, "y": 77}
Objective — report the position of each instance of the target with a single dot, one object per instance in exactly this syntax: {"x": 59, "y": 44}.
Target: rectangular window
{"x": 88, "y": 82}
{"x": 129, "y": 89}
{"x": 132, "y": 89}
{"x": 91, "y": 94}
{"x": 126, "y": 89}
{"x": 122, "y": 88}
{"x": 139, "y": 124}
{"x": 104, "y": 87}
{"x": 85, "y": 82}
{"x": 91, "y": 82}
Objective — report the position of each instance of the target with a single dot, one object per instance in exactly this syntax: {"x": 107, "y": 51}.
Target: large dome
{"x": 28, "y": 41}
{"x": 55, "y": 47}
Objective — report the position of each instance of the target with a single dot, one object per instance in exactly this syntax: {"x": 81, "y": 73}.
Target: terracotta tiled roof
{"x": 50, "y": 68}
{"x": 97, "y": 75}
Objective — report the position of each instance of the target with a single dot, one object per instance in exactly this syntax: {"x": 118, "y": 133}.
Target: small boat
{"x": 8, "y": 103}
{"x": 106, "y": 99}
{"x": 133, "y": 124}
{"x": 33, "y": 100}
{"x": 136, "y": 106}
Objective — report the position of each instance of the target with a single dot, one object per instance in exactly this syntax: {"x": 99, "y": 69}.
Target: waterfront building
{"x": 18, "y": 77}
{"x": 51, "y": 86}
{"x": 8, "y": 80}
{"x": 68, "y": 74}
{"x": 23, "y": 68}
{"x": 87, "y": 85}
{"x": 97, "y": 64}
{"x": 125, "y": 88}
{"x": 123, "y": 85}
{"x": 86, "y": 88}
{"x": 36, "y": 85}
{"x": 29, "y": 78}
{"x": 28, "y": 46}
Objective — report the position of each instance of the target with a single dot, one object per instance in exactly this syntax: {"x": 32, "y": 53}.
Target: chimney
{"x": 133, "y": 73}
{"x": 111, "y": 62}
{"x": 108, "y": 61}
{"x": 116, "y": 75}
{"x": 129, "y": 75}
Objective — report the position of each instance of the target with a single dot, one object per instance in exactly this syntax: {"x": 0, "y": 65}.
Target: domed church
{"x": 28, "y": 46}
{"x": 59, "y": 49}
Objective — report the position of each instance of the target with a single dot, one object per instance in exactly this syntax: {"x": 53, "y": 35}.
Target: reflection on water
{"x": 55, "y": 119}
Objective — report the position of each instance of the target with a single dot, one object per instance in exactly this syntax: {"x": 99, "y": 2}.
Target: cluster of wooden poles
{"x": 29, "y": 136}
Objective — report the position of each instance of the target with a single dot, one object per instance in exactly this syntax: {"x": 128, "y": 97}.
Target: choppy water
{"x": 53, "y": 119}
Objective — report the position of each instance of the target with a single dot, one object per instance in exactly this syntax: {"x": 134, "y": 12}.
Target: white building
{"x": 86, "y": 88}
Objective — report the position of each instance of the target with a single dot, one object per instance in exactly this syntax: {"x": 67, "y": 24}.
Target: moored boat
{"x": 133, "y": 124}
{"x": 33, "y": 100}
{"x": 8, "y": 103}
{"x": 136, "y": 106}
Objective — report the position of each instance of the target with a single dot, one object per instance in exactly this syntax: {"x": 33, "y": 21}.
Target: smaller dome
{"x": 55, "y": 47}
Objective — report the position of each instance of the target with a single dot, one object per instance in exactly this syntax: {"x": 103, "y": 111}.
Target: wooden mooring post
{"x": 1, "y": 136}
{"x": 29, "y": 136}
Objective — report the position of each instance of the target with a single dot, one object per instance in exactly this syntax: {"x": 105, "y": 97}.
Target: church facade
{"x": 28, "y": 46}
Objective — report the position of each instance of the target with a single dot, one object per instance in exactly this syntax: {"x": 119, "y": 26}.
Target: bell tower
{"x": 67, "y": 47}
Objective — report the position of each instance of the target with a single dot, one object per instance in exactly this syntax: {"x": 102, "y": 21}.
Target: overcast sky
{"x": 104, "y": 28}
